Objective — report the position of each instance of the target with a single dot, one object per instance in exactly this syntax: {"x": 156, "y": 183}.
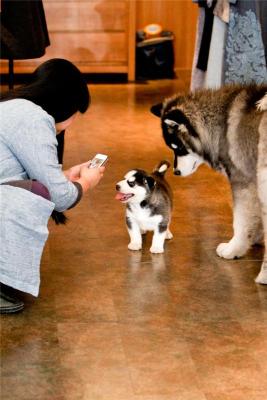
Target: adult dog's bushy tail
{"x": 161, "y": 168}
{"x": 262, "y": 103}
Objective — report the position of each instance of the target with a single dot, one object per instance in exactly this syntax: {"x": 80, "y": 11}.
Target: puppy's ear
{"x": 156, "y": 109}
{"x": 150, "y": 182}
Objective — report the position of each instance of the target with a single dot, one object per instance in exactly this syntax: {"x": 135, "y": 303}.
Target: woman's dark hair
{"x": 58, "y": 87}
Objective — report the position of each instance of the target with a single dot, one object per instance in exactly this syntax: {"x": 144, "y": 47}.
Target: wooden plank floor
{"x": 111, "y": 324}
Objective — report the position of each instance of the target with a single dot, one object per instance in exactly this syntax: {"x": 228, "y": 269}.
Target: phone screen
{"x": 97, "y": 162}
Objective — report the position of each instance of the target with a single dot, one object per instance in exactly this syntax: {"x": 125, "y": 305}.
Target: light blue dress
{"x": 245, "y": 60}
{"x": 28, "y": 150}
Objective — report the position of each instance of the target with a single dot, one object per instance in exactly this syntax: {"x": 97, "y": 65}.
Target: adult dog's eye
{"x": 131, "y": 184}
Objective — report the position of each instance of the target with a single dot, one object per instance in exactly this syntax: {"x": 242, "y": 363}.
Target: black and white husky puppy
{"x": 148, "y": 199}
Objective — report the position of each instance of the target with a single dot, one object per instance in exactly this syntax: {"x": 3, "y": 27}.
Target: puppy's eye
{"x": 131, "y": 184}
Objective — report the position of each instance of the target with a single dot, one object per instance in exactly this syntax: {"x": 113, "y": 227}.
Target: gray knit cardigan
{"x": 28, "y": 150}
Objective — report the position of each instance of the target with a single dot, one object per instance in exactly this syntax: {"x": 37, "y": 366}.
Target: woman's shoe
{"x": 8, "y": 304}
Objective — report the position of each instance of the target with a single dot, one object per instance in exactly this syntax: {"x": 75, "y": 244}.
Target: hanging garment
{"x": 262, "y": 13}
{"x": 215, "y": 69}
{"x": 209, "y": 45}
{"x": 23, "y": 28}
{"x": 214, "y": 74}
{"x": 244, "y": 52}
{"x": 203, "y": 54}
{"x": 197, "y": 75}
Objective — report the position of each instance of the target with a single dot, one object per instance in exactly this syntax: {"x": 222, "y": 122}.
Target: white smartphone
{"x": 98, "y": 160}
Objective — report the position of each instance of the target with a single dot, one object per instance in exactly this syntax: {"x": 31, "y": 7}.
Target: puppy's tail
{"x": 161, "y": 168}
{"x": 262, "y": 103}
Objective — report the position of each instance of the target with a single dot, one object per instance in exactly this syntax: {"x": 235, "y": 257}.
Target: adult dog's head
{"x": 180, "y": 134}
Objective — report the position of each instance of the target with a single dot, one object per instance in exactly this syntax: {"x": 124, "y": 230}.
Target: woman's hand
{"x": 90, "y": 177}
{"x": 74, "y": 173}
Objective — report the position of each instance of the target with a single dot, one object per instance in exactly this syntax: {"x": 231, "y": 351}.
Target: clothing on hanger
{"x": 24, "y": 33}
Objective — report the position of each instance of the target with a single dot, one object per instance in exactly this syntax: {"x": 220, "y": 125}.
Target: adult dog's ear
{"x": 175, "y": 117}
{"x": 156, "y": 109}
{"x": 178, "y": 118}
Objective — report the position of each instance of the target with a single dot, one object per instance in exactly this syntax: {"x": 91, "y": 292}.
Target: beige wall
{"x": 179, "y": 16}
{"x": 74, "y": 35}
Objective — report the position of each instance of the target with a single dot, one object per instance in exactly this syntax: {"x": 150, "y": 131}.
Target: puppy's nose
{"x": 177, "y": 172}
{"x": 118, "y": 187}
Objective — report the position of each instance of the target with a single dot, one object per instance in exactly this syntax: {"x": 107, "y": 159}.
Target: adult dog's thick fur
{"x": 227, "y": 129}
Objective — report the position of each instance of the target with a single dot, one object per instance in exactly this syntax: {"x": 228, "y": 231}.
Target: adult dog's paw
{"x": 156, "y": 249}
{"x": 230, "y": 250}
{"x": 262, "y": 277}
{"x": 134, "y": 246}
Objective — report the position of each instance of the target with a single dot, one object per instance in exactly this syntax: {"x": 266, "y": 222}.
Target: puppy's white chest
{"x": 143, "y": 217}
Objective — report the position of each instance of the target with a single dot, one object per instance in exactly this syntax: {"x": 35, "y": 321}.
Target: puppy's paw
{"x": 156, "y": 249}
{"x": 134, "y": 246}
{"x": 262, "y": 277}
{"x": 230, "y": 250}
{"x": 169, "y": 235}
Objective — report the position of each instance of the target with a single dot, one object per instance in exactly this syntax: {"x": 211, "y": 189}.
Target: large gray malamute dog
{"x": 227, "y": 129}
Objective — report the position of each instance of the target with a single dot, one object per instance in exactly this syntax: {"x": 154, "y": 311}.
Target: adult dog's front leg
{"x": 134, "y": 233}
{"x": 246, "y": 223}
{"x": 262, "y": 191}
